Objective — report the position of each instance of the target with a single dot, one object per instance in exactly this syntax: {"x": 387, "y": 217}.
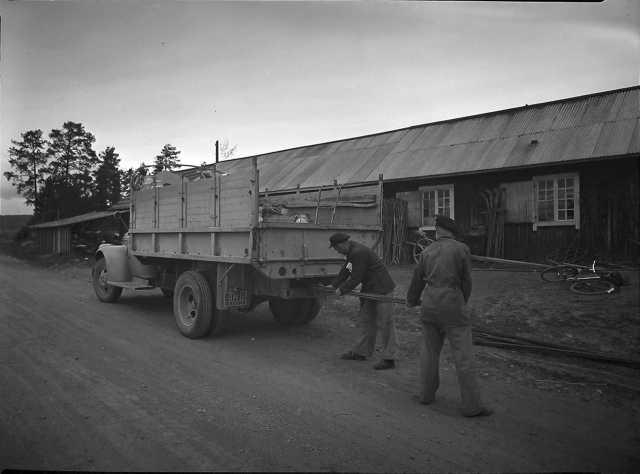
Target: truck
{"x": 216, "y": 243}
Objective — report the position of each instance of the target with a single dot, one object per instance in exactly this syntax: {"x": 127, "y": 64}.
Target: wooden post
{"x": 154, "y": 221}
{"x": 181, "y": 202}
{"x": 318, "y": 204}
{"x": 214, "y": 196}
{"x": 254, "y": 193}
{"x": 335, "y": 205}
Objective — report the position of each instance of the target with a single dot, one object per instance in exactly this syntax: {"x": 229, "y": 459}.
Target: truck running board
{"x": 132, "y": 285}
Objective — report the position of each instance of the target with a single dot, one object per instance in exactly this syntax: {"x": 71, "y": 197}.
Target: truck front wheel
{"x": 194, "y": 305}
{"x": 294, "y": 312}
{"x": 104, "y": 291}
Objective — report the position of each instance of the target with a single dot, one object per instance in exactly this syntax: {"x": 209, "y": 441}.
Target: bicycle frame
{"x": 579, "y": 276}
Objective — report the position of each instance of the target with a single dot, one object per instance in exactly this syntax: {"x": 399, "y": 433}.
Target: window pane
{"x": 436, "y": 201}
{"x": 545, "y": 200}
{"x": 545, "y": 210}
{"x": 429, "y": 203}
{"x": 566, "y": 199}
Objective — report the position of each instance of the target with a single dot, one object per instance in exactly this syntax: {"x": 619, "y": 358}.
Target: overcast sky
{"x": 275, "y": 75}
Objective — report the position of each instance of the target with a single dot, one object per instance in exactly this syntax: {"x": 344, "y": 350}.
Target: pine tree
{"x": 71, "y": 168}
{"x": 167, "y": 159}
{"x": 125, "y": 182}
{"x": 28, "y": 161}
{"x": 71, "y": 152}
{"x": 107, "y": 178}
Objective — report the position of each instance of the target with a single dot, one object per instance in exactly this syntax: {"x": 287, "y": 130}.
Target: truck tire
{"x": 103, "y": 290}
{"x": 193, "y": 305}
{"x": 294, "y": 312}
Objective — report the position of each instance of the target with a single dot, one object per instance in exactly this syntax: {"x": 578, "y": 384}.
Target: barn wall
{"x": 609, "y": 216}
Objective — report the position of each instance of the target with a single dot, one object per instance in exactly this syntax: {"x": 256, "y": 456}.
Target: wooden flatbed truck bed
{"x": 211, "y": 240}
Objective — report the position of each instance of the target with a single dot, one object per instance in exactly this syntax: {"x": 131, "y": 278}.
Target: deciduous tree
{"x": 225, "y": 150}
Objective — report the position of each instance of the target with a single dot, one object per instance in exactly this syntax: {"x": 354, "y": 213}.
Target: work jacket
{"x": 363, "y": 266}
{"x": 444, "y": 273}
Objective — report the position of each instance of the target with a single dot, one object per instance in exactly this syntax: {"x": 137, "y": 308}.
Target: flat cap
{"x": 447, "y": 223}
{"x": 337, "y": 238}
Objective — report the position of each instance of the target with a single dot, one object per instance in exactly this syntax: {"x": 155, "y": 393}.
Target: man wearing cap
{"x": 364, "y": 267}
{"x": 444, "y": 272}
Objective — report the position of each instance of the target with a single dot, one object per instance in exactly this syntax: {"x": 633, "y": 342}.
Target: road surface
{"x": 93, "y": 386}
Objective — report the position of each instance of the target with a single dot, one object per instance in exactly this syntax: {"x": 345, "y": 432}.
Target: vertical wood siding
{"x": 609, "y": 210}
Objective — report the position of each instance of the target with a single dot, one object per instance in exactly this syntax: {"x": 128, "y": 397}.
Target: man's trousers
{"x": 374, "y": 316}
{"x": 461, "y": 346}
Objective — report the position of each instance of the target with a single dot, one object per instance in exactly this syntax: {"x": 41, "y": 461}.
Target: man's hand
{"x": 338, "y": 292}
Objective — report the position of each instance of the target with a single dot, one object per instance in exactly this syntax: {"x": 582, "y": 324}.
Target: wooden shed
{"x": 58, "y": 236}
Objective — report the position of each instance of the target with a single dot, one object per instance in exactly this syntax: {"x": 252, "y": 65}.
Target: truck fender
{"x": 117, "y": 261}
{"x": 121, "y": 266}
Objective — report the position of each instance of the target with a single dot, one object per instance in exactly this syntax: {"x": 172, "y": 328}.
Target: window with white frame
{"x": 556, "y": 200}
{"x": 436, "y": 200}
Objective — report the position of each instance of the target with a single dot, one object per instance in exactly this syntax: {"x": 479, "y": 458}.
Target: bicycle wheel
{"x": 593, "y": 287}
{"x": 558, "y": 273}
{"x": 421, "y": 244}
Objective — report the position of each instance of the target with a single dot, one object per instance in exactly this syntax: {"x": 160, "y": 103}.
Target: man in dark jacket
{"x": 445, "y": 270}
{"x": 364, "y": 267}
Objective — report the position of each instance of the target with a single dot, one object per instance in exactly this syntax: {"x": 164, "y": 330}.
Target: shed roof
{"x": 89, "y": 216}
{"x": 588, "y": 127}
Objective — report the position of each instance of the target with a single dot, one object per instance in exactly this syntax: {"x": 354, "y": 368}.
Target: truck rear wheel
{"x": 294, "y": 312}
{"x": 194, "y": 305}
{"x": 104, "y": 291}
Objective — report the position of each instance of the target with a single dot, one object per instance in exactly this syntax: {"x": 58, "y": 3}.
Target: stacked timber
{"x": 494, "y": 202}
{"x": 394, "y": 221}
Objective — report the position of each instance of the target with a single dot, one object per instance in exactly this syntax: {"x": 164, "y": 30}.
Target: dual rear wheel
{"x": 196, "y": 315}
{"x": 294, "y": 312}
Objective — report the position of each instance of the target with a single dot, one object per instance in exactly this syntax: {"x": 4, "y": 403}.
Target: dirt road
{"x": 93, "y": 386}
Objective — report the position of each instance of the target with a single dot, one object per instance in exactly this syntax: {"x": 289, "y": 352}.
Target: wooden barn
{"x": 522, "y": 183}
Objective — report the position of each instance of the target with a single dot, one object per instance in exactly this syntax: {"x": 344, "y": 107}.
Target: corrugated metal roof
{"x": 587, "y": 127}
{"x": 90, "y": 216}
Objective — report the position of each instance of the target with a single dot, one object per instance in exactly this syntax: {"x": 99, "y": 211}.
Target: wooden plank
{"x": 480, "y": 258}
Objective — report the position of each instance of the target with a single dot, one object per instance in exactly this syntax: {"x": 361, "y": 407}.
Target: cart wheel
{"x": 593, "y": 287}
{"x": 104, "y": 291}
{"x": 420, "y": 244}
{"x": 294, "y": 312}
{"x": 558, "y": 273}
{"x": 193, "y": 305}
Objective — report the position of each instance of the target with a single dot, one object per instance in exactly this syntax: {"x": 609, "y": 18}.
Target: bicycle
{"x": 422, "y": 242}
{"x": 586, "y": 280}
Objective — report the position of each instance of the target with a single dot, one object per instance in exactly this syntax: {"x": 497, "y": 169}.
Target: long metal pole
{"x": 367, "y": 296}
